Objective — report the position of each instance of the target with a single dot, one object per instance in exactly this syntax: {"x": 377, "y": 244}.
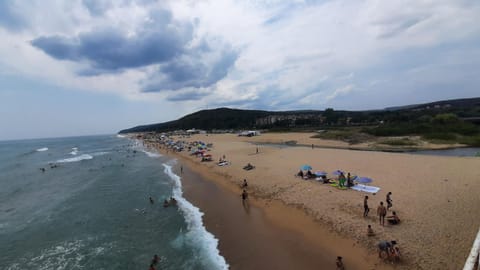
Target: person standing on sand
{"x": 381, "y": 212}
{"x": 389, "y": 201}
{"x": 181, "y": 169}
{"x": 339, "y": 263}
{"x": 257, "y": 150}
{"x": 365, "y": 207}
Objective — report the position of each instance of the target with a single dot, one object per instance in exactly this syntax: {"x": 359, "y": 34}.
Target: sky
{"x": 81, "y": 67}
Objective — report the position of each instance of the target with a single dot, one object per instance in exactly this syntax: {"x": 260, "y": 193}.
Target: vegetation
{"x": 451, "y": 121}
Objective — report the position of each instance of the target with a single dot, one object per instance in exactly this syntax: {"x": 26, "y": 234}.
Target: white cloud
{"x": 289, "y": 52}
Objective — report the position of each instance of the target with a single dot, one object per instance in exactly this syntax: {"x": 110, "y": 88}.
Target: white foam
{"x": 151, "y": 154}
{"x": 197, "y": 234}
{"x": 74, "y": 151}
{"x": 121, "y": 136}
{"x": 75, "y": 159}
{"x": 42, "y": 149}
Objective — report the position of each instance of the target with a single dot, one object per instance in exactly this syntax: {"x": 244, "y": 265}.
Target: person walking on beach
{"x": 244, "y": 195}
{"x": 365, "y": 207}
{"x": 257, "y": 150}
{"x": 245, "y": 184}
{"x": 389, "y": 201}
{"x": 339, "y": 263}
{"x": 381, "y": 212}
{"x": 181, "y": 169}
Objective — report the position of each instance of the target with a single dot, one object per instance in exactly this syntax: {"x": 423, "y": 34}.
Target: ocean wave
{"x": 66, "y": 255}
{"x": 75, "y": 159}
{"x": 42, "y": 149}
{"x": 74, "y": 151}
{"x": 121, "y": 136}
{"x": 151, "y": 154}
{"x": 197, "y": 234}
{"x": 99, "y": 154}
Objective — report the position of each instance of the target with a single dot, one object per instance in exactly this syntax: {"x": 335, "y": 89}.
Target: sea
{"x": 83, "y": 203}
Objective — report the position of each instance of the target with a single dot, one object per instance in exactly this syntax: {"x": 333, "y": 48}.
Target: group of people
{"x": 384, "y": 247}
{"x": 382, "y": 211}
{"x": 345, "y": 181}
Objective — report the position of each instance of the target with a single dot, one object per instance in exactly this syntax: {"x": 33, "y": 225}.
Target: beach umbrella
{"x": 364, "y": 180}
{"x": 337, "y": 172}
{"x": 306, "y": 167}
{"x": 320, "y": 173}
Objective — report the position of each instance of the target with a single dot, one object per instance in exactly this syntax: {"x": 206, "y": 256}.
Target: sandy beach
{"x": 435, "y": 197}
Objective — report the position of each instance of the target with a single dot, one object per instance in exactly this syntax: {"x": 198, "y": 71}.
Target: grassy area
{"x": 399, "y": 142}
{"x": 350, "y": 135}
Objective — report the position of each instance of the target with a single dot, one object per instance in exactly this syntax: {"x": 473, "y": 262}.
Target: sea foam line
{"x": 197, "y": 233}
{"x": 74, "y": 159}
{"x": 151, "y": 154}
{"x": 42, "y": 149}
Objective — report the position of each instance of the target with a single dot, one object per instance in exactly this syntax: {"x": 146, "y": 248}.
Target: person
{"x": 395, "y": 254}
{"x": 341, "y": 180}
{"x": 349, "y": 180}
{"x": 173, "y": 201}
{"x": 257, "y": 150}
{"x": 389, "y": 201}
{"x": 365, "y": 207}
{"x": 151, "y": 267}
{"x": 393, "y": 219}
{"x": 309, "y": 174}
{"x": 381, "y": 212}
{"x": 244, "y": 195}
{"x": 155, "y": 259}
{"x": 385, "y": 247}
{"x": 151, "y": 200}
{"x": 245, "y": 184}
{"x": 370, "y": 231}
{"x": 165, "y": 203}
{"x": 300, "y": 173}
{"x": 339, "y": 263}
{"x": 181, "y": 169}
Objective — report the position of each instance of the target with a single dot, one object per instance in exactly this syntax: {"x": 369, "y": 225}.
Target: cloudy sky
{"x": 82, "y": 67}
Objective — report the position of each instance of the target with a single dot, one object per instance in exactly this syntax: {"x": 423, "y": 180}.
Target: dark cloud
{"x": 191, "y": 71}
{"x": 10, "y": 17}
{"x": 110, "y": 49}
{"x": 162, "y": 41}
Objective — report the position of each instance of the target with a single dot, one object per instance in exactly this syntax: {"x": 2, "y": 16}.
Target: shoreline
{"x": 263, "y": 236}
{"x": 258, "y": 236}
{"x": 437, "y": 187}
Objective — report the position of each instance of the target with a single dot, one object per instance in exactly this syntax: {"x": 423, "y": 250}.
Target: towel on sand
{"x": 364, "y": 188}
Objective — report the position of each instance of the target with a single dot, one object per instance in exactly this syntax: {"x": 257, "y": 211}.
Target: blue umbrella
{"x": 337, "y": 172}
{"x": 306, "y": 167}
{"x": 364, "y": 180}
{"x": 320, "y": 173}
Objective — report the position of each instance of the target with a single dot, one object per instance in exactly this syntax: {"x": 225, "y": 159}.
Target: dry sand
{"x": 437, "y": 198}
